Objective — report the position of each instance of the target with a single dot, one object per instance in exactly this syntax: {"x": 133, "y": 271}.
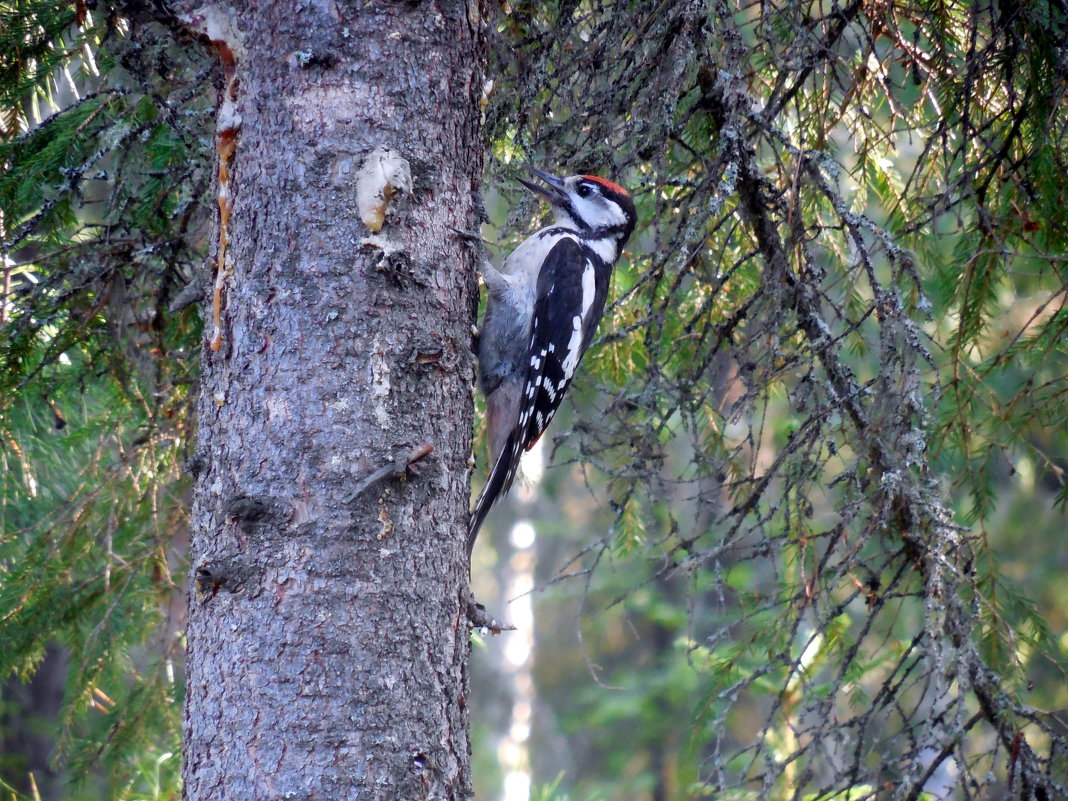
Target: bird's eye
{"x": 584, "y": 190}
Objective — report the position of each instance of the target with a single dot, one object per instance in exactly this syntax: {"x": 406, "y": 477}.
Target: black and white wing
{"x": 571, "y": 294}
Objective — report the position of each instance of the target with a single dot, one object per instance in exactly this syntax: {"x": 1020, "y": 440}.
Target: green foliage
{"x": 826, "y": 415}
{"x": 834, "y": 365}
{"x": 38, "y": 39}
{"x": 100, "y": 206}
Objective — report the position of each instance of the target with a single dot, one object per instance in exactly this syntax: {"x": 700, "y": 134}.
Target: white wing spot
{"x": 574, "y": 348}
{"x": 589, "y": 289}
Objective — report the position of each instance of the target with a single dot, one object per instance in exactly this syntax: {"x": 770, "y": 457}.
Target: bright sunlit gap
{"x": 518, "y": 648}
{"x": 522, "y": 535}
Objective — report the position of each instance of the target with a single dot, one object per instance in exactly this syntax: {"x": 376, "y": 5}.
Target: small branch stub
{"x": 398, "y": 468}
{"x": 480, "y": 619}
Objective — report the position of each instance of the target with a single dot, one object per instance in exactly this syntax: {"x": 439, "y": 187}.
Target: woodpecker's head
{"x": 594, "y": 207}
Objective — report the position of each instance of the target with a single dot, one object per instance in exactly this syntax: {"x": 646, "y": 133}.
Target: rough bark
{"x": 327, "y": 633}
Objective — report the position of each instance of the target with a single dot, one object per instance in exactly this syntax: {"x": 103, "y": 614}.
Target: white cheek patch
{"x": 616, "y": 215}
{"x": 599, "y": 213}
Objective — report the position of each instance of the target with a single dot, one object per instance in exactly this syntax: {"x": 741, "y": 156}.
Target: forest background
{"x": 803, "y": 535}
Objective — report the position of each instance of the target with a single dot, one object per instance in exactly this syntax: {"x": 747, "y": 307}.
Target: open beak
{"x": 554, "y": 192}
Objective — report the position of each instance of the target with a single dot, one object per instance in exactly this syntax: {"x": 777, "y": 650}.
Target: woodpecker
{"x": 542, "y": 311}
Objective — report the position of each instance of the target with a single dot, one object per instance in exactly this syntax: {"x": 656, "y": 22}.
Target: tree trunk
{"x": 327, "y": 634}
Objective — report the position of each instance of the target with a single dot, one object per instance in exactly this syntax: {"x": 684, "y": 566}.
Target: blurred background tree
{"x": 804, "y": 536}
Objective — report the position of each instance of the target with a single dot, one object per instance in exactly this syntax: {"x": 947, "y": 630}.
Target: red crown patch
{"x": 607, "y": 184}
